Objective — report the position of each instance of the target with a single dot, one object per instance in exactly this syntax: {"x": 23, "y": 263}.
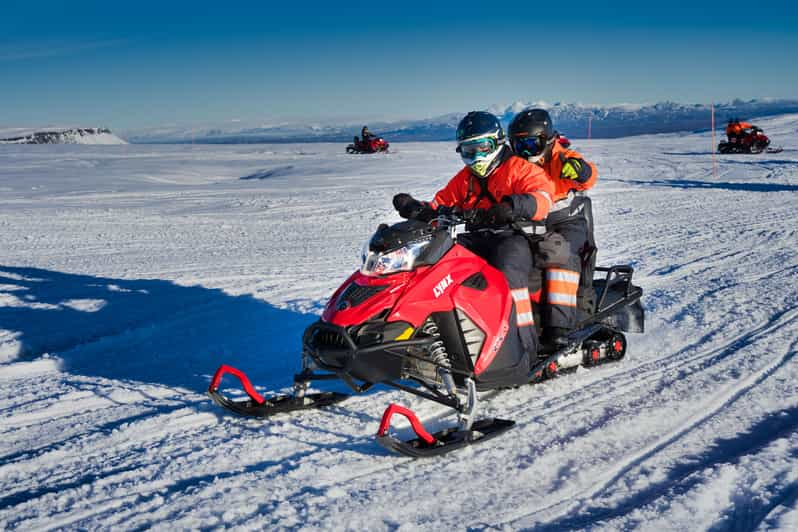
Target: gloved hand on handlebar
{"x": 445, "y": 210}
{"x": 499, "y": 214}
{"x": 412, "y": 209}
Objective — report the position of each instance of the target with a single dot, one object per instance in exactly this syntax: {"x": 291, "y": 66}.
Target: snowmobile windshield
{"x": 402, "y": 259}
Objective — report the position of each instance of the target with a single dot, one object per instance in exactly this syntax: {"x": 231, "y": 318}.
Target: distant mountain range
{"x": 571, "y": 119}
{"x": 90, "y": 135}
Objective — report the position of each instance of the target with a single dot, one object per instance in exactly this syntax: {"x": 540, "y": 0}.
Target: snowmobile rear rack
{"x": 258, "y": 406}
{"x": 618, "y": 304}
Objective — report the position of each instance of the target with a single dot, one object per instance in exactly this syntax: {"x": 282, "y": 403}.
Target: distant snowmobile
{"x": 751, "y": 140}
{"x": 427, "y": 316}
{"x": 371, "y": 145}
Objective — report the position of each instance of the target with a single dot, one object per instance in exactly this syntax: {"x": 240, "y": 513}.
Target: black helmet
{"x": 531, "y": 131}
{"x": 479, "y": 124}
{"x": 480, "y": 142}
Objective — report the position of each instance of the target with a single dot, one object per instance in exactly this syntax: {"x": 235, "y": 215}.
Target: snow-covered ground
{"x": 128, "y": 273}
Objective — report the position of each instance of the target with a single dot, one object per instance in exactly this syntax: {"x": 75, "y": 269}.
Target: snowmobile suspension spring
{"x": 437, "y": 350}
{"x": 439, "y": 356}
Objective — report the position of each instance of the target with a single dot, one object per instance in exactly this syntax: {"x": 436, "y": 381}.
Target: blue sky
{"x": 145, "y": 63}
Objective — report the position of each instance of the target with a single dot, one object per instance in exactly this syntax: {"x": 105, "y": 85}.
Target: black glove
{"x": 401, "y": 201}
{"x": 412, "y": 209}
{"x": 499, "y": 214}
{"x": 444, "y": 210}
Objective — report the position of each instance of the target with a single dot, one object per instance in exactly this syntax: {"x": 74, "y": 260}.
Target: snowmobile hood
{"x": 362, "y": 298}
{"x": 410, "y": 296}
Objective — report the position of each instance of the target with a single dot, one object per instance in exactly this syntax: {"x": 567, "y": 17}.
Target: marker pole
{"x": 714, "y": 162}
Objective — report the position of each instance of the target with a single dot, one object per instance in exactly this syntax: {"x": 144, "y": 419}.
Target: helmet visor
{"x": 473, "y": 149}
{"x": 529, "y": 146}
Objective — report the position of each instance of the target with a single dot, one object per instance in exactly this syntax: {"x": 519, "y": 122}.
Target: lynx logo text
{"x": 442, "y": 285}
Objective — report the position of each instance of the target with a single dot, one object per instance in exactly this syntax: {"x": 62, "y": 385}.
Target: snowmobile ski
{"x": 261, "y": 407}
{"x": 441, "y": 442}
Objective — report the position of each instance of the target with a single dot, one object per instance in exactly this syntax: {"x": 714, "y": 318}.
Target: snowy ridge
{"x": 127, "y": 276}
{"x": 60, "y": 136}
{"x": 606, "y": 122}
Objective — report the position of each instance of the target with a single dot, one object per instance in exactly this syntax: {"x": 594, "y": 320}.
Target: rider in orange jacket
{"x": 570, "y": 221}
{"x": 736, "y": 129}
{"x": 506, "y": 189}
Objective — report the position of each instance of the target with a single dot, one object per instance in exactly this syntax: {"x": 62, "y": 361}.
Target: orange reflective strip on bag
{"x": 564, "y": 300}
{"x": 556, "y": 274}
{"x": 563, "y": 287}
{"x": 523, "y": 307}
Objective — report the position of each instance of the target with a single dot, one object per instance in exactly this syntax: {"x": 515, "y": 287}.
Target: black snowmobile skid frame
{"x": 597, "y": 340}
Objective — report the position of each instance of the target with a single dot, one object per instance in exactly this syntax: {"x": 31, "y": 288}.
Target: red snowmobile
{"x": 427, "y": 316}
{"x": 752, "y": 140}
{"x": 371, "y": 145}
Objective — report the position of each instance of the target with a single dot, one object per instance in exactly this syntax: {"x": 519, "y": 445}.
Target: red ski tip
{"x": 418, "y": 428}
{"x": 251, "y": 392}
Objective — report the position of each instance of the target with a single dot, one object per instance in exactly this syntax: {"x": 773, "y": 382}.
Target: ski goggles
{"x": 529, "y": 146}
{"x": 472, "y": 149}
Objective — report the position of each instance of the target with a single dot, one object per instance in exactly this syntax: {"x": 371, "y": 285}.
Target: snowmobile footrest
{"x": 258, "y": 406}
{"x": 442, "y": 442}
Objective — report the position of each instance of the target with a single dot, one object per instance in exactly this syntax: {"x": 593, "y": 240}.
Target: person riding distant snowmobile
{"x": 365, "y": 134}
{"x": 504, "y": 189}
{"x": 569, "y": 223}
{"x": 363, "y": 144}
{"x": 736, "y": 129}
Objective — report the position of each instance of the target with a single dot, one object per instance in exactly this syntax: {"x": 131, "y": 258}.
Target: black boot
{"x": 555, "y": 338}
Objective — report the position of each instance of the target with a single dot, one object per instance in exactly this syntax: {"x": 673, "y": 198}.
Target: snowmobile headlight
{"x": 398, "y": 260}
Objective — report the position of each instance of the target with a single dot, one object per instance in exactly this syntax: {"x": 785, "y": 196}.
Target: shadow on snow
{"x": 722, "y": 185}
{"x": 146, "y": 330}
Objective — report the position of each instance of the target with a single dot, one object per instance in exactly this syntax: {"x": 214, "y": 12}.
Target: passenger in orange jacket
{"x": 505, "y": 189}
{"x": 569, "y": 224}
{"x": 736, "y": 129}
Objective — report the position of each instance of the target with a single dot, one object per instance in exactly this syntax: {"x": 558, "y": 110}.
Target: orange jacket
{"x": 513, "y": 177}
{"x": 736, "y": 128}
{"x": 563, "y": 185}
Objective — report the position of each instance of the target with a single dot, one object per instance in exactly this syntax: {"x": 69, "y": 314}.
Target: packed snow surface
{"x": 129, "y": 273}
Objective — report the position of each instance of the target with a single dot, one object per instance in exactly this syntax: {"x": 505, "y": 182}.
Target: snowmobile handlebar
{"x": 463, "y": 221}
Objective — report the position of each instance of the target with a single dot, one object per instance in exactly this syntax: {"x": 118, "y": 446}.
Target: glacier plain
{"x": 129, "y": 273}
